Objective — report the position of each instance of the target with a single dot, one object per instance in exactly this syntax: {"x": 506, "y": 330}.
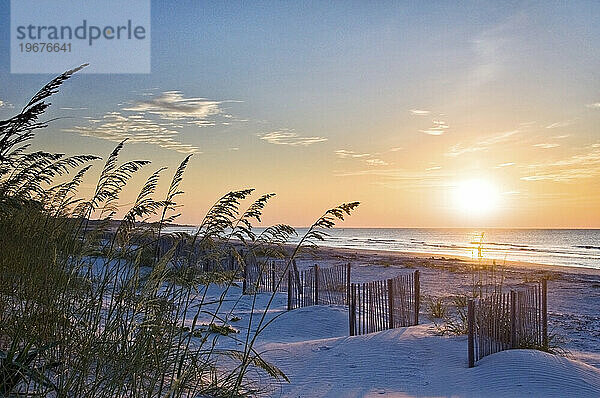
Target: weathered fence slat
{"x": 471, "y": 341}
{"x": 384, "y": 304}
{"x": 318, "y": 285}
{"x": 373, "y": 306}
{"x": 503, "y": 321}
{"x": 417, "y": 293}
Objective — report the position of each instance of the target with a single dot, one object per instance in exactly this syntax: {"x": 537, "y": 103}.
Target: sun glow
{"x": 476, "y": 197}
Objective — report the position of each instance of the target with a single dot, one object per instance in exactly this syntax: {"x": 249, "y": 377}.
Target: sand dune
{"x": 311, "y": 346}
{"x": 410, "y": 362}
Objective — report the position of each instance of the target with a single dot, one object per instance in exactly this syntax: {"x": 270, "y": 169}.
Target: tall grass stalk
{"x": 95, "y": 306}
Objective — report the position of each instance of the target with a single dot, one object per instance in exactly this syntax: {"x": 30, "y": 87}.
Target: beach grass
{"x": 96, "y": 306}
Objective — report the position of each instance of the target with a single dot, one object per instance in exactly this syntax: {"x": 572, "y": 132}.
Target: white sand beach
{"x": 312, "y": 347}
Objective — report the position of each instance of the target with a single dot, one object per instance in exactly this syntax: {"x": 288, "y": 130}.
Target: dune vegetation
{"x": 96, "y": 300}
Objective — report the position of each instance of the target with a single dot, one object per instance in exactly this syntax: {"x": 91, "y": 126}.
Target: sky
{"x": 444, "y": 114}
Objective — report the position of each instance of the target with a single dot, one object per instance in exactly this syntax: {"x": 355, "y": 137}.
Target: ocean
{"x": 564, "y": 247}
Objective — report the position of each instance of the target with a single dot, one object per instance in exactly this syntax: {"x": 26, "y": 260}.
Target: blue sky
{"x": 288, "y": 94}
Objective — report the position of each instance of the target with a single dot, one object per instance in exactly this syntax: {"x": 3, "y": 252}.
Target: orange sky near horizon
{"x": 431, "y": 115}
{"x": 539, "y": 177}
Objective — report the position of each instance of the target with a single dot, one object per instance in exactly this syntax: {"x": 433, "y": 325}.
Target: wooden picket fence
{"x": 312, "y": 286}
{"x": 207, "y": 259}
{"x": 264, "y": 276}
{"x": 384, "y": 304}
{"x": 502, "y": 321}
{"x": 372, "y": 306}
{"x": 318, "y": 286}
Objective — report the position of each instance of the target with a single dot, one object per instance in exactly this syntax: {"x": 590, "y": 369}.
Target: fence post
{"x": 273, "y": 275}
{"x": 297, "y": 278}
{"x": 316, "y": 295}
{"x": 352, "y": 311}
{"x": 390, "y": 286}
{"x": 289, "y": 290}
{"x": 513, "y": 319}
{"x": 245, "y": 283}
{"x": 348, "y": 283}
{"x": 471, "y": 326}
{"x": 417, "y": 291}
{"x": 545, "y": 313}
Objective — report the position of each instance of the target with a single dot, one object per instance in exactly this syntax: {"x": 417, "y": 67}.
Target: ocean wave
{"x": 590, "y": 247}
{"x": 494, "y": 247}
{"x": 500, "y": 244}
{"x": 560, "y": 247}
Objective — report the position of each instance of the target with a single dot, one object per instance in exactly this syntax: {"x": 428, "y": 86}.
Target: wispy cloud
{"x": 4, "y": 104}
{"x": 172, "y": 105}
{"x": 492, "y": 49}
{"x": 439, "y": 127}
{"x": 396, "y": 149}
{"x": 560, "y": 124}
{"x": 370, "y": 159}
{"x": 432, "y": 168}
{"x": 483, "y": 145}
{"x": 289, "y": 137}
{"x": 402, "y": 178}
{"x": 583, "y": 165}
{"x": 116, "y": 126}
{"x": 546, "y": 145}
{"x": 419, "y": 112}
{"x": 507, "y": 164}
{"x": 487, "y": 67}
{"x": 376, "y": 162}
{"x": 562, "y": 175}
{"x": 70, "y": 108}
{"x": 595, "y": 105}
{"x": 157, "y": 120}
{"x": 346, "y": 154}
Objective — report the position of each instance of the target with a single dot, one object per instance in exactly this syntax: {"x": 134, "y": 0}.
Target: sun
{"x": 476, "y": 197}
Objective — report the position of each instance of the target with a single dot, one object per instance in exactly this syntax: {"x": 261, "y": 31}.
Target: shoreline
{"x": 441, "y": 258}
{"x": 573, "y": 295}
